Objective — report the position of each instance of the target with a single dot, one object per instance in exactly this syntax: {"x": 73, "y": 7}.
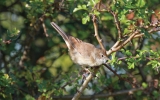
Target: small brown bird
{"x": 82, "y": 53}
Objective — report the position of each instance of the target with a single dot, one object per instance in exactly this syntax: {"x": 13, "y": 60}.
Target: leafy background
{"x": 34, "y": 61}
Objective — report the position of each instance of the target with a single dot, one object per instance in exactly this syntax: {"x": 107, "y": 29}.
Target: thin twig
{"x": 128, "y": 40}
{"x": 45, "y": 29}
{"x": 117, "y": 23}
{"x": 61, "y": 4}
{"x": 24, "y": 57}
{"x": 150, "y": 31}
{"x": 120, "y": 76}
{"x": 148, "y": 58}
{"x": 96, "y": 32}
{"x": 44, "y": 26}
{"x": 113, "y": 49}
{"x": 89, "y": 97}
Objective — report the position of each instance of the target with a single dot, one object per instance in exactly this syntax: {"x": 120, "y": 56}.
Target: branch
{"x": 96, "y": 33}
{"x": 24, "y": 57}
{"x": 117, "y": 23}
{"x": 44, "y": 26}
{"x": 150, "y": 31}
{"x": 119, "y": 93}
{"x": 118, "y": 46}
{"x": 84, "y": 85}
{"x": 89, "y": 97}
{"x": 134, "y": 84}
{"x": 148, "y": 58}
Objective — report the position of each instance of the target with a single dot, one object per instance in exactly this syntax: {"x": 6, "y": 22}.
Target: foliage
{"x": 34, "y": 62}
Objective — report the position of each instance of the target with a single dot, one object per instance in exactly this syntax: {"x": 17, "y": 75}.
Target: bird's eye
{"x": 102, "y": 55}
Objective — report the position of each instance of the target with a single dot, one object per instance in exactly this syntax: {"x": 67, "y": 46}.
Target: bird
{"x": 82, "y": 53}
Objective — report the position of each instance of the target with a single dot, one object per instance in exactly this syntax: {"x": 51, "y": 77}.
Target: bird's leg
{"x": 91, "y": 71}
{"x": 85, "y": 72}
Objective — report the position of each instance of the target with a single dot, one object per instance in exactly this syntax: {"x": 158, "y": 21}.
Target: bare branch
{"x": 150, "y": 31}
{"x": 117, "y": 47}
{"x": 45, "y": 29}
{"x": 24, "y": 57}
{"x": 84, "y": 85}
{"x": 89, "y": 97}
{"x": 117, "y": 23}
{"x": 96, "y": 33}
{"x": 44, "y": 26}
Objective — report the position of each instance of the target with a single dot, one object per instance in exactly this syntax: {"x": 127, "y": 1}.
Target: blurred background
{"x": 34, "y": 60}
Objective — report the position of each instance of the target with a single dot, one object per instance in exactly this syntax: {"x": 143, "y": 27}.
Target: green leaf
{"x": 144, "y": 85}
{"x": 154, "y": 63}
{"x": 140, "y": 3}
{"x": 128, "y": 53}
{"x": 114, "y": 58}
{"x": 146, "y": 33}
{"x": 156, "y": 94}
{"x": 126, "y": 30}
{"x": 97, "y": 13}
{"x": 130, "y": 65}
{"x": 119, "y": 62}
{"x": 113, "y": 55}
{"x": 80, "y": 7}
{"x": 29, "y": 97}
{"x": 139, "y": 93}
{"x": 85, "y": 19}
{"x": 130, "y": 6}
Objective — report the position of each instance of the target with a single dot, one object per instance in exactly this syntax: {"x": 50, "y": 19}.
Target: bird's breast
{"x": 81, "y": 59}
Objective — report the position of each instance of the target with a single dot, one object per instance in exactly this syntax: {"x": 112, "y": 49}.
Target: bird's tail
{"x": 62, "y": 33}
